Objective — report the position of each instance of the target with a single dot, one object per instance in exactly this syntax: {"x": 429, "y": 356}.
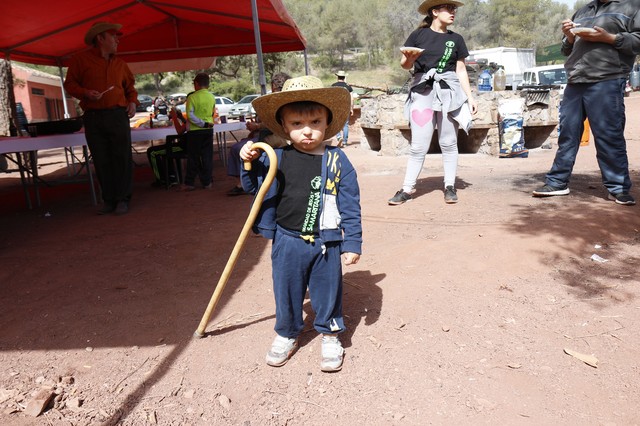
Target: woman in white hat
{"x": 440, "y": 94}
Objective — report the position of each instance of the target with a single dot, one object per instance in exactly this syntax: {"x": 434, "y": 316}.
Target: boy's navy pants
{"x": 297, "y": 265}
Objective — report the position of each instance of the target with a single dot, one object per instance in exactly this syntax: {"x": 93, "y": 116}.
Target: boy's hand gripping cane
{"x": 255, "y": 208}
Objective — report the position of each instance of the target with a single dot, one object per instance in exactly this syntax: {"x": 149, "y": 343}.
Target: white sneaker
{"x": 332, "y": 353}
{"x": 281, "y": 350}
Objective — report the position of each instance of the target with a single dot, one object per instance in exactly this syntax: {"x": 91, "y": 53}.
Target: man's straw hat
{"x": 99, "y": 28}
{"x": 423, "y": 9}
{"x": 306, "y": 88}
{"x": 341, "y": 74}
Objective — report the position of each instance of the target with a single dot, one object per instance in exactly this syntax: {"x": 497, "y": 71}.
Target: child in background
{"x": 311, "y": 212}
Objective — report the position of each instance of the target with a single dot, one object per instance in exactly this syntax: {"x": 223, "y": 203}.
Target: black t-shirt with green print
{"x": 441, "y": 50}
{"x": 299, "y": 191}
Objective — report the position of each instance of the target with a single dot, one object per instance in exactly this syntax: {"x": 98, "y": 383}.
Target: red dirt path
{"x": 457, "y": 314}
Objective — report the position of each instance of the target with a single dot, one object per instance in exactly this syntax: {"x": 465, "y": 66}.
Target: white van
{"x": 546, "y": 75}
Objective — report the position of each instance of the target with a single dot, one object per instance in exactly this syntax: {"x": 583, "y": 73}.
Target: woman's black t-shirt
{"x": 441, "y": 50}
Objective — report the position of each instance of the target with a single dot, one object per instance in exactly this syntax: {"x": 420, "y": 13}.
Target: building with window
{"x": 40, "y": 94}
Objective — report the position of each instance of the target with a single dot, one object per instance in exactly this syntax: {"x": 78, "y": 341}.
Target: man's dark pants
{"x": 603, "y": 104}
{"x": 108, "y": 135}
{"x": 199, "y": 156}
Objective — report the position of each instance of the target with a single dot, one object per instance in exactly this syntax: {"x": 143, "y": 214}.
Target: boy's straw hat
{"x": 423, "y": 9}
{"x": 99, "y": 28}
{"x": 306, "y": 88}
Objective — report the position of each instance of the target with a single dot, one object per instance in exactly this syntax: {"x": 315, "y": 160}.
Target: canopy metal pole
{"x": 256, "y": 31}
{"x": 64, "y": 94}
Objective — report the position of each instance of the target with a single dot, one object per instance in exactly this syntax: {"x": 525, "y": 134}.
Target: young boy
{"x": 311, "y": 212}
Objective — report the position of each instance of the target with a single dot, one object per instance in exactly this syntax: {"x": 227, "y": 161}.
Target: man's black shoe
{"x": 107, "y": 208}
{"x": 122, "y": 208}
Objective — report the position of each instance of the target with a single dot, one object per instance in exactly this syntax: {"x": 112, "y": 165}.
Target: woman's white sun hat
{"x": 423, "y": 9}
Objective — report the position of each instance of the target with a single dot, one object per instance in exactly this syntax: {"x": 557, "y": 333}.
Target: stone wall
{"x": 383, "y": 126}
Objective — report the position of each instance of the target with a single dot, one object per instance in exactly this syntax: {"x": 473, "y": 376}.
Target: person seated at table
{"x": 156, "y": 154}
{"x": 160, "y": 106}
{"x": 258, "y": 133}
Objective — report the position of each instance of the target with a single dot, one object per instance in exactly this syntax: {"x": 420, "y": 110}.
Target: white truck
{"x": 514, "y": 60}
{"x": 546, "y": 75}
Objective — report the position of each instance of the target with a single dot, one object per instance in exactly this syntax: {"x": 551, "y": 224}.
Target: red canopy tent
{"x": 160, "y": 35}
{"x": 49, "y": 32}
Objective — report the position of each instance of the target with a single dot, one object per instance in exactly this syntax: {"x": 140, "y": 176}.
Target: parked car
{"x": 243, "y": 107}
{"x": 146, "y": 101}
{"x": 176, "y": 97}
{"x": 546, "y": 75}
{"x": 223, "y": 105}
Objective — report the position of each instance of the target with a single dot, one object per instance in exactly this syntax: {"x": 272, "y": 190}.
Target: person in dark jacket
{"x": 311, "y": 212}
{"x": 601, "y": 41}
{"x": 343, "y": 136}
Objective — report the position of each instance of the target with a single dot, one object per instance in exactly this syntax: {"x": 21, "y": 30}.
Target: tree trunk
{"x": 5, "y": 104}
{"x": 157, "y": 79}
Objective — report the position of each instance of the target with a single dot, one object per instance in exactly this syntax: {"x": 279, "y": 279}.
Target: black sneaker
{"x": 622, "y": 198}
{"x": 122, "y": 208}
{"x": 236, "y": 190}
{"x": 450, "y": 195}
{"x": 399, "y": 198}
{"x": 550, "y": 191}
{"x": 107, "y": 208}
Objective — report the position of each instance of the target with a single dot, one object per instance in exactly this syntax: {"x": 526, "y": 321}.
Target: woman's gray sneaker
{"x": 399, "y": 198}
{"x": 450, "y": 195}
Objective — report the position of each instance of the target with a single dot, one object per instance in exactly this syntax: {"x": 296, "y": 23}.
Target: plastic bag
{"x": 511, "y": 113}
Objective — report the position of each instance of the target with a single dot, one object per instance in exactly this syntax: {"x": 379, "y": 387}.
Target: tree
{"x": 471, "y": 22}
{"x": 7, "y": 100}
{"x": 370, "y": 36}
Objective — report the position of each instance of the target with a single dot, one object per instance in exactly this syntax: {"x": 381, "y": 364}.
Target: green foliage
{"x": 232, "y": 76}
{"x": 378, "y": 27}
{"x": 365, "y": 35}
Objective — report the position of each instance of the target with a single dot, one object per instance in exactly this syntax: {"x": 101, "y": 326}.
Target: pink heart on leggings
{"x": 421, "y": 118}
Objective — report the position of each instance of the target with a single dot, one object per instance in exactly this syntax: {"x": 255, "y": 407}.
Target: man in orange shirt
{"x": 105, "y": 87}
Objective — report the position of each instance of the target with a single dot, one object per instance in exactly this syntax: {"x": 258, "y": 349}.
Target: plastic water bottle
{"x": 484, "y": 81}
{"x": 634, "y": 80}
{"x": 500, "y": 80}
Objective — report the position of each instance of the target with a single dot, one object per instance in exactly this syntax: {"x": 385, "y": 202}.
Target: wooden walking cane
{"x": 255, "y": 208}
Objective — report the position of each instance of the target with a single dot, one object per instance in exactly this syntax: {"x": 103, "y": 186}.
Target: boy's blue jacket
{"x": 340, "y": 216}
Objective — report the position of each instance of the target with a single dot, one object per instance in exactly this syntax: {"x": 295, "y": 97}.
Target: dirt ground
{"x": 456, "y": 314}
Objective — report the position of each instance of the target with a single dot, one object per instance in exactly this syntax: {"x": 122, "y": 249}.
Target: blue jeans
{"x": 603, "y": 104}
{"x": 344, "y": 133}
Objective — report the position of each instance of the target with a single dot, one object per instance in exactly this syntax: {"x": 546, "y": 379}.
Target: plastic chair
{"x": 175, "y": 152}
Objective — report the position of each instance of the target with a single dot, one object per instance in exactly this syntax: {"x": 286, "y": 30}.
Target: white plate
{"x": 411, "y": 49}
{"x": 581, "y": 30}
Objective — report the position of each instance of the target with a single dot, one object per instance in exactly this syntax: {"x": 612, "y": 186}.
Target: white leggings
{"x": 423, "y": 122}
